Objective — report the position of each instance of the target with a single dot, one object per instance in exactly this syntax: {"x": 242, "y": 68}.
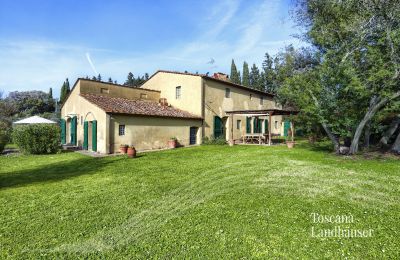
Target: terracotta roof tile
{"x": 136, "y": 107}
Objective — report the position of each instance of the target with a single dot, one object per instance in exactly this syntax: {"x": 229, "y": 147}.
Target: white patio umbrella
{"x": 34, "y": 120}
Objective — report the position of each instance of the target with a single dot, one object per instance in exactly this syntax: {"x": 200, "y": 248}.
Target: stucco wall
{"x": 216, "y": 104}
{"x": 112, "y": 90}
{"x": 191, "y": 90}
{"x": 147, "y": 133}
{"x": 84, "y": 110}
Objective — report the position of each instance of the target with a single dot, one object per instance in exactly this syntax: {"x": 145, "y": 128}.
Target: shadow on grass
{"x": 54, "y": 171}
{"x": 323, "y": 146}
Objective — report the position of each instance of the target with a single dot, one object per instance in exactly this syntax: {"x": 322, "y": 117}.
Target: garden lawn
{"x": 200, "y": 202}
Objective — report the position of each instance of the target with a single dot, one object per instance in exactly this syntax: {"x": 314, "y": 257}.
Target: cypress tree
{"x": 246, "y": 75}
{"x": 255, "y": 78}
{"x": 269, "y": 74}
{"x": 63, "y": 93}
{"x": 99, "y": 77}
{"x": 110, "y": 80}
{"x": 67, "y": 89}
{"x": 234, "y": 74}
{"x": 51, "y": 93}
{"x": 130, "y": 81}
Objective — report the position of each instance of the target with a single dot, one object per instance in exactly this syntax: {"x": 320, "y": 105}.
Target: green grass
{"x": 201, "y": 202}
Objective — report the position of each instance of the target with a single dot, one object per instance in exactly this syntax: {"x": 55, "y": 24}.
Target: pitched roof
{"x": 206, "y": 77}
{"x": 125, "y": 106}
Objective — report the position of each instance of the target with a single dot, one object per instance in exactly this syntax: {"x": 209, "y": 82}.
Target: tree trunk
{"x": 331, "y": 136}
{"x": 396, "y": 145}
{"x": 367, "y": 135}
{"x": 374, "y": 107}
{"x": 390, "y": 131}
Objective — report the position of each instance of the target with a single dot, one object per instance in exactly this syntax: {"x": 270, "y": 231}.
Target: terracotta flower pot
{"x": 290, "y": 144}
{"x": 131, "y": 152}
{"x": 172, "y": 144}
{"x": 123, "y": 149}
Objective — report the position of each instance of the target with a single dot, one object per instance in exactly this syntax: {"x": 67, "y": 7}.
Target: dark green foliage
{"x": 37, "y": 138}
{"x": 214, "y": 141}
{"x": 235, "y": 76}
{"x": 29, "y": 103}
{"x": 99, "y": 77}
{"x": 131, "y": 81}
{"x": 51, "y": 93}
{"x": 255, "y": 78}
{"x": 63, "y": 93}
{"x": 4, "y": 134}
{"x": 246, "y": 75}
{"x": 269, "y": 74}
{"x": 68, "y": 89}
{"x": 110, "y": 80}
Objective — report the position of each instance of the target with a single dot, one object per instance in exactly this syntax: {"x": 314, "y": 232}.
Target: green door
{"x": 85, "y": 135}
{"x": 248, "y": 125}
{"x": 94, "y": 135}
{"x": 266, "y": 126}
{"x": 286, "y": 127}
{"x": 218, "y": 127}
{"x": 73, "y": 130}
{"x": 63, "y": 131}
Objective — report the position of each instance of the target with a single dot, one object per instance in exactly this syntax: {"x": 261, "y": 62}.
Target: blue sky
{"x": 44, "y": 42}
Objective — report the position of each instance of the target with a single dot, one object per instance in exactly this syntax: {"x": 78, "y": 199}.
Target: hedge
{"x": 37, "y": 138}
{"x": 4, "y": 135}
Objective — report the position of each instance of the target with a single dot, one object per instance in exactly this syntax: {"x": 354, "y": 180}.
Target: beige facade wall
{"x": 112, "y": 90}
{"x": 216, "y": 104}
{"x": 147, "y": 133}
{"x": 76, "y": 105}
{"x": 191, "y": 90}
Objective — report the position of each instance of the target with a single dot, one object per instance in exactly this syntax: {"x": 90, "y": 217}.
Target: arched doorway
{"x": 90, "y": 133}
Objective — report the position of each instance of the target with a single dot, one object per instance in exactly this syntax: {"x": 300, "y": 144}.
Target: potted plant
{"x": 123, "y": 148}
{"x": 290, "y": 144}
{"x": 131, "y": 151}
{"x": 172, "y": 142}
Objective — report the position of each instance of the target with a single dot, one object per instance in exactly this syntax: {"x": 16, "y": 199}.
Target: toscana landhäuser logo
{"x": 336, "y": 226}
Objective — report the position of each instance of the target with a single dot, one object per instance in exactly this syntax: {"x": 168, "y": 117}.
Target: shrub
{"x": 37, "y": 138}
{"x": 4, "y": 135}
{"x": 214, "y": 141}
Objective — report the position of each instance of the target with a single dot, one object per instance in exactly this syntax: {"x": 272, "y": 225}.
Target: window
{"x": 227, "y": 92}
{"x": 251, "y": 96}
{"x": 104, "y": 91}
{"x": 143, "y": 96}
{"x": 178, "y": 92}
{"x": 276, "y": 124}
{"x": 121, "y": 130}
{"x": 261, "y": 100}
{"x": 238, "y": 124}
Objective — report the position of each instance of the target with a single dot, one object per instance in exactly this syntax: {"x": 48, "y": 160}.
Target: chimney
{"x": 221, "y": 76}
{"x": 163, "y": 102}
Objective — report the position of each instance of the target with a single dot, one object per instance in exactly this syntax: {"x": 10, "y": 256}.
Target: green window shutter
{"x": 256, "y": 125}
{"x": 94, "y": 135}
{"x": 266, "y": 125}
{"x": 85, "y": 135}
{"x": 286, "y": 127}
{"x": 248, "y": 125}
{"x": 63, "y": 131}
{"x": 218, "y": 128}
{"x": 73, "y": 130}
